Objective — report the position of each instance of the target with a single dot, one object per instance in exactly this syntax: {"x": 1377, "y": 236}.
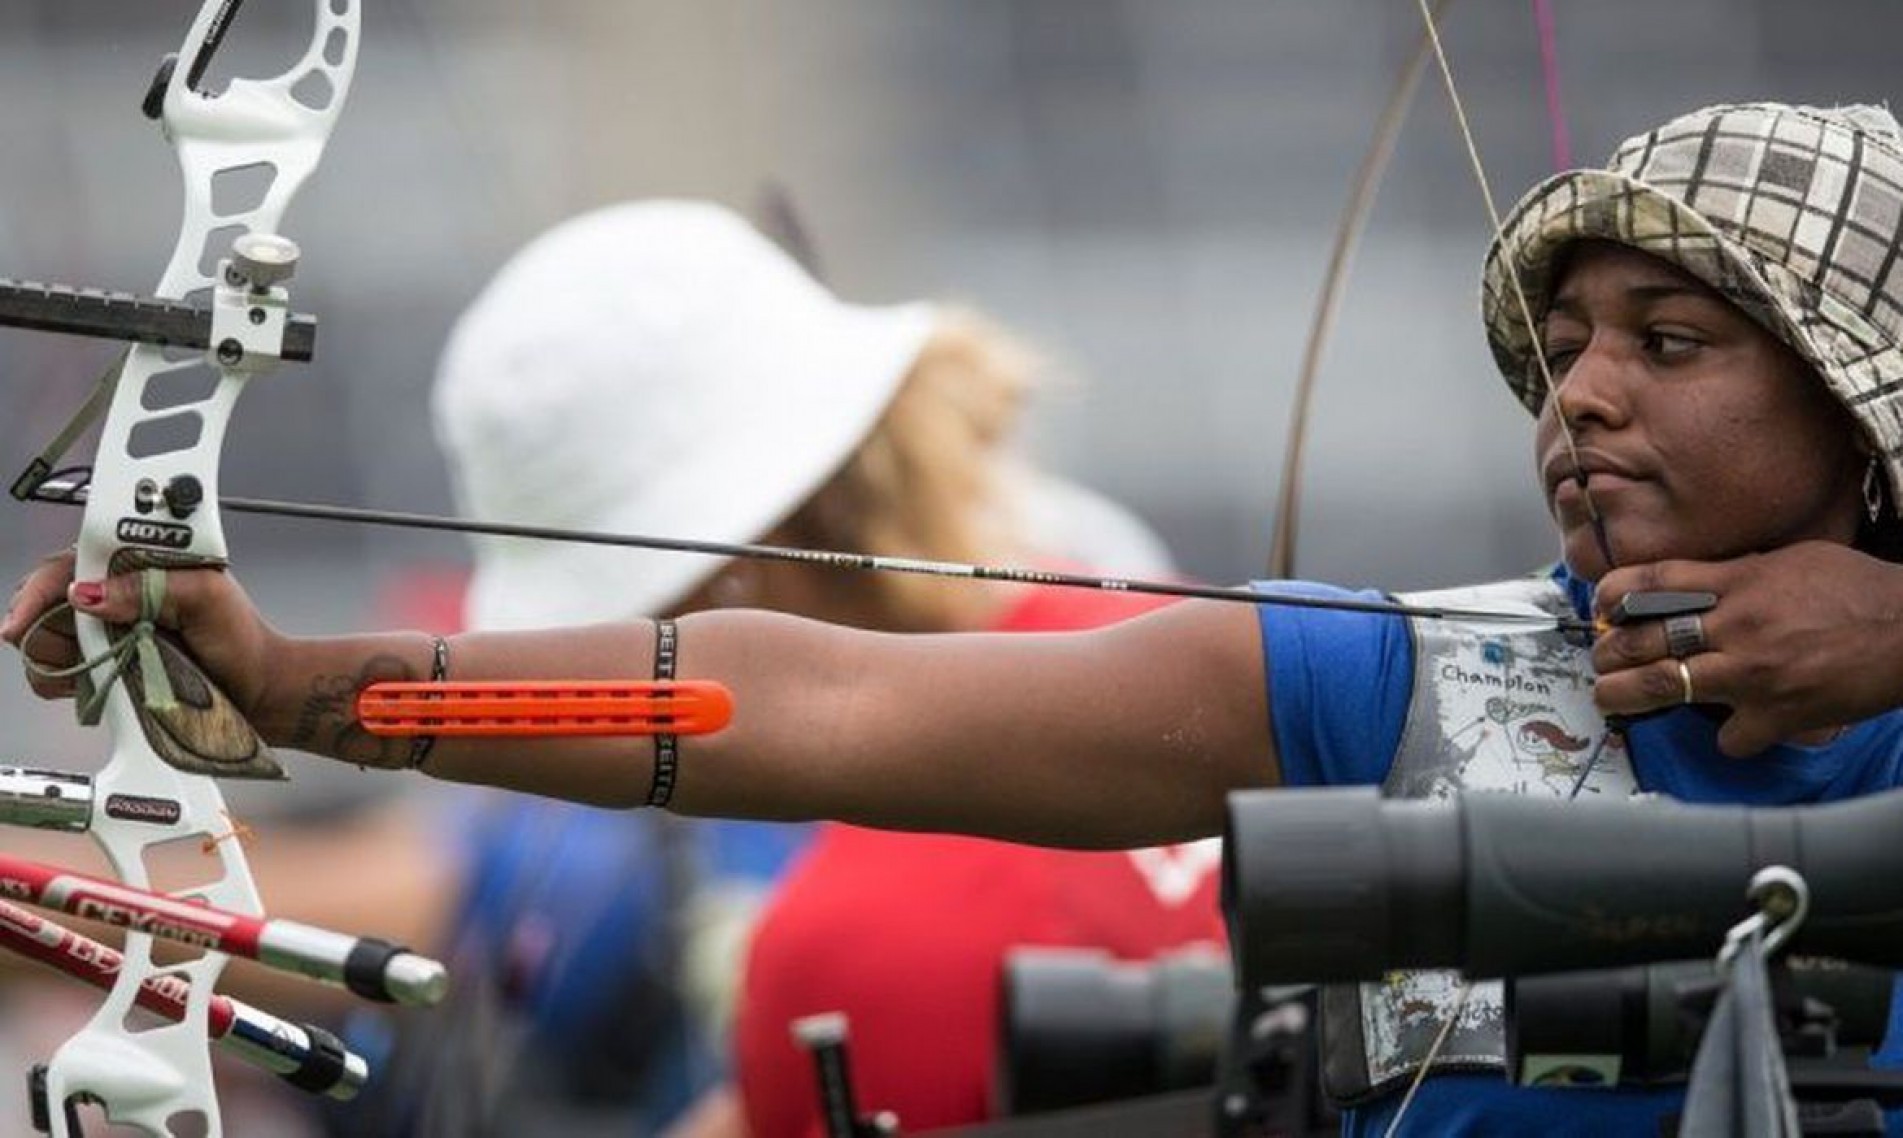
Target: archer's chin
{"x": 1583, "y": 556}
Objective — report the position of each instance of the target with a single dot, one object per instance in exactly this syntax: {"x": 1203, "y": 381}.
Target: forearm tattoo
{"x": 327, "y": 719}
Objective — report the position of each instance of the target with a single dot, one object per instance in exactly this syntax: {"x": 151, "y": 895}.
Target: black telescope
{"x": 1343, "y": 884}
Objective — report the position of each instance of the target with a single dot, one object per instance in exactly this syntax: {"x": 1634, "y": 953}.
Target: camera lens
{"x": 1081, "y": 1027}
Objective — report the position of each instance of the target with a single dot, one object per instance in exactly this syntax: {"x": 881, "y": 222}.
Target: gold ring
{"x": 1685, "y": 677}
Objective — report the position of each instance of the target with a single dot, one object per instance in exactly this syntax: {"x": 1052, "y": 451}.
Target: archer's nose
{"x": 1594, "y": 386}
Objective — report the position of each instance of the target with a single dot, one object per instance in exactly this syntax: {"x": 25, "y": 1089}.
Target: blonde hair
{"x": 926, "y": 482}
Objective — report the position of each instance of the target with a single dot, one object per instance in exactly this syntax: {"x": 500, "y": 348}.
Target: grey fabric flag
{"x": 1739, "y": 1087}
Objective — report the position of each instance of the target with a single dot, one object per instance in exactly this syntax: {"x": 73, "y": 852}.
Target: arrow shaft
{"x": 70, "y": 491}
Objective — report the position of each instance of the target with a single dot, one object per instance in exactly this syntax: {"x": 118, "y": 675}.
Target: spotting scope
{"x": 1343, "y": 884}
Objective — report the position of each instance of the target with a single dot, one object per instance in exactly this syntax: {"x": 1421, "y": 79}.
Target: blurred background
{"x": 1148, "y": 189}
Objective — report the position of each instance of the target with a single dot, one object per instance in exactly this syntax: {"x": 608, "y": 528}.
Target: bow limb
{"x": 1341, "y": 255}
{"x": 154, "y": 499}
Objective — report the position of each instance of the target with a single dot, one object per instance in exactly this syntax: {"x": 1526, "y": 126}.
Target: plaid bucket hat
{"x": 1794, "y": 214}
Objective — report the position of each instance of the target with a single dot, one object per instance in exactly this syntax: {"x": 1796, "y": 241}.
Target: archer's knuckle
{"x": 1619, "y": 650}
{"x": 1617, "y": 694}
{"x": 1659, "y": 684}
{"x": 1759, "y": 677}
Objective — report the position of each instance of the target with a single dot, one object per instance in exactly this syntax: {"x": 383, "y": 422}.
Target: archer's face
{"x": 1702, "y": 436}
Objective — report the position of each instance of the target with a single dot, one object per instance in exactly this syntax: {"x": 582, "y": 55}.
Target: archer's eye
{"x": 1560, "y": 356}
{"x": 1670, "y": 345}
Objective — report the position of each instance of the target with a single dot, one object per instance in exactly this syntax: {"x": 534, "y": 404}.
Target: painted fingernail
{"x": 89, "y": 594}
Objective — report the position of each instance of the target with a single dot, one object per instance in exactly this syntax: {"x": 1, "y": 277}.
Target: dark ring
{"x": 1685, "y": 636}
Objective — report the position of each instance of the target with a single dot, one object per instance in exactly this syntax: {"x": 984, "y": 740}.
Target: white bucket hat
{"x": 1794, "y": 214}
{"x": 654, "y": 368}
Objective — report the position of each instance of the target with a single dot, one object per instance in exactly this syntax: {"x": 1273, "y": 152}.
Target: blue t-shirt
{"x": 1339, "y": 688}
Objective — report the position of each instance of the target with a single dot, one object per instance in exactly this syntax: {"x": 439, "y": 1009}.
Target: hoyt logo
{"x": 160, "y": 535}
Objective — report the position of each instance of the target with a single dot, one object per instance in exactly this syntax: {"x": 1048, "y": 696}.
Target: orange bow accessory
{"x": 545, "y": 707}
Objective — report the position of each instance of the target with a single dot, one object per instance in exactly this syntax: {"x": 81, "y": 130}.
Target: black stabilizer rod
{"x": 1342, "y": 884}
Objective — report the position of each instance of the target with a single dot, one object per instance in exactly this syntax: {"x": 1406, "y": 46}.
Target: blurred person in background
{"x": 661, "y": 367}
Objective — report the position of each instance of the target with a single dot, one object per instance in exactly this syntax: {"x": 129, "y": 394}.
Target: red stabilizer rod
{"x": 369, "y": 967}
{"x": 300, "y": 1054}
{"x": 545, "y": 707}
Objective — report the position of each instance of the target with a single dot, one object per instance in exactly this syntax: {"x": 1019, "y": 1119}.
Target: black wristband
{"x": 667, "y": 745}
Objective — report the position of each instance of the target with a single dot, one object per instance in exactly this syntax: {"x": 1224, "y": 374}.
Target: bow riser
{"x": 164, "y": 432}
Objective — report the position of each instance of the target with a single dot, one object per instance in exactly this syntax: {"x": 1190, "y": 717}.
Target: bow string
{"x": 1522, "y": 305}
{"x": 1354, "y": 221}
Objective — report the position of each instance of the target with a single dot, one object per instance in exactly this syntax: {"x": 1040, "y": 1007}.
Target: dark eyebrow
{"x": 1568, "y": 305}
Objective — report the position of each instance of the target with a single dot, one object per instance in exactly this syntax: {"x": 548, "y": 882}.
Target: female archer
{"x": 1710, "y": 340}
{"x": 824, "y": 425}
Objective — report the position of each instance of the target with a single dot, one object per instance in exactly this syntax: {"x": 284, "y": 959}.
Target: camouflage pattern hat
{"x": 1794, "y": 214}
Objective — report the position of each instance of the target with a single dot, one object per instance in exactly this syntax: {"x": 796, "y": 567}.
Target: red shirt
{"x": 906, "y": 934}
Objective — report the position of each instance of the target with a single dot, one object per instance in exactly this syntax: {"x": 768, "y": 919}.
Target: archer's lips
{"x": 1601, "y": 490}
{"x": 1603, "y": 474}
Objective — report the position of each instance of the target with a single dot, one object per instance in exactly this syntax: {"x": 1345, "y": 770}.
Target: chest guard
{"x": 1489, "y": 713}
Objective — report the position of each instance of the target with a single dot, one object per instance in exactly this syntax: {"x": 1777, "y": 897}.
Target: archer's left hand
{"x": 205, "y": 606}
